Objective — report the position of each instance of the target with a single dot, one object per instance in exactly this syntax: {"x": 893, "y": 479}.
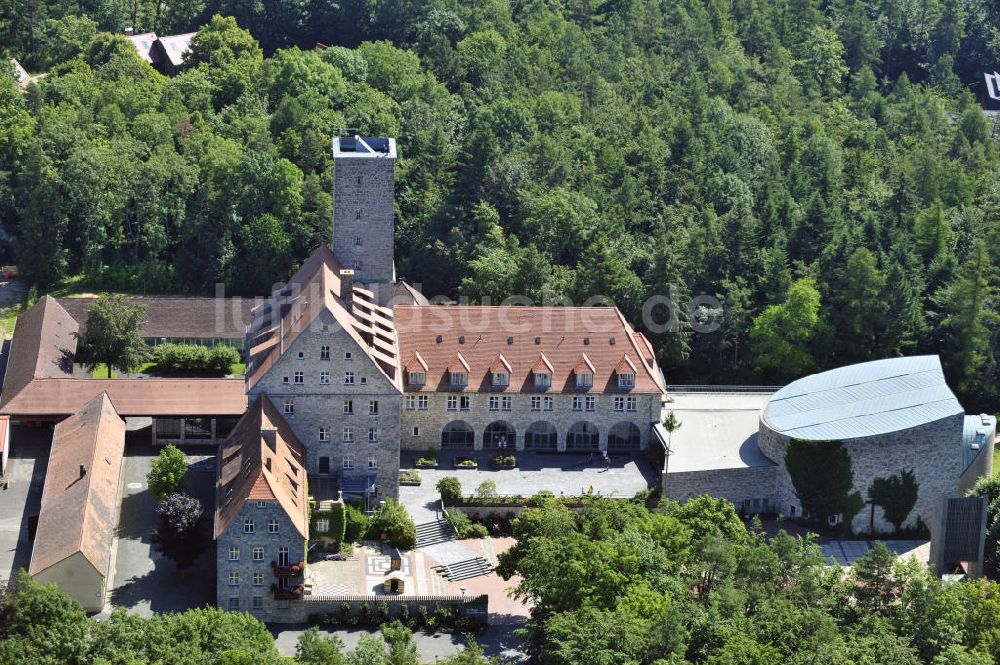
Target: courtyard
{"x": 21, "y": 500}
{"x": 571, "y": 474}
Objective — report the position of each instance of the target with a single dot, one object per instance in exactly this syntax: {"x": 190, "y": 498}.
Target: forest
{"x": 821, "y": 169}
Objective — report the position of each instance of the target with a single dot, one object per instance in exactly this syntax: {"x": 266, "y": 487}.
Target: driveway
{"x": 144, "y": 581}
{"x": 29, "y": 457}
{"x": 571, "y": 474}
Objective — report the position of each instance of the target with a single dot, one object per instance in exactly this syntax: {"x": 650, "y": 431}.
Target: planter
{"x": 504, "y": 462}
{"x": 464, "y": 463}
{"x": 409, "y": 478}
{"x": 426, "y": 463}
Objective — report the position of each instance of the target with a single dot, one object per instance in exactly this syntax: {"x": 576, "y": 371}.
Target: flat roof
{"x": 863, "y": 400}
{"x": 718, "y": 431}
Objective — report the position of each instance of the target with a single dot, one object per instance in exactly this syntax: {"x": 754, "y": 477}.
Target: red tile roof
{"x": 500, "y": 365}
{"x": 180, "y": 317}
{"x": 316, "y": 286}
{"x": 262, "y": 460}
{"x": 563, "y": 334}
{"x": 542, "y": 365}
{"x": 79, "y": 511}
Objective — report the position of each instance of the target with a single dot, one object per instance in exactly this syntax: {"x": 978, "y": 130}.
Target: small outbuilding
{"x": 79, "y": 510}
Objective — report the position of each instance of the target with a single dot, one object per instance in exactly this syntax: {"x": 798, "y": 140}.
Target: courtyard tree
{"x": 392, "y": 522}
{"x": 168, "y": 472}
{"x": 450, "y": 489}
{"x": 178, "y": 533}
{"x": 112, "y": 337}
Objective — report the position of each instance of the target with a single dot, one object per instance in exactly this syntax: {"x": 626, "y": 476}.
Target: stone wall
{"x": 317, "y": 405}
{"x": 933, "y": 452}
{"x": 246, "y": 591}
{"x": 750, "y": 489}
{"x": 363, "y": 209}
{"x": 431, "y": 422}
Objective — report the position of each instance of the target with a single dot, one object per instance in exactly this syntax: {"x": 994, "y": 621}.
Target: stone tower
{"x": 363, "y": 180}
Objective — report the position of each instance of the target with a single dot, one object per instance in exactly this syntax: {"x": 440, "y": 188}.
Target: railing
{"x": 295, "y": 593}
{"x": 289, "y": 570}
{"x": 694, "y": 388}
{"x": 372, "y": 598}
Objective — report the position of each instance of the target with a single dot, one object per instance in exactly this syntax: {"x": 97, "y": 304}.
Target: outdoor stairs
{"x": 464, "y": 570}
{"x": 432, "y": 533}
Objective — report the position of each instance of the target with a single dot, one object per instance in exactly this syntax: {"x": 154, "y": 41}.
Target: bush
{"x": 464, "y": 527}
{"x": 450, "y": 488}
{"x": 486, "y": 490}
{"x": 392, "y": 520}
{"x": 355, "y": 524}
{"x": 176, "y": 358}
{"x": 168, "y": 472}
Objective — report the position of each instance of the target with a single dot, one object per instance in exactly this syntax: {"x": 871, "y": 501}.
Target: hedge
{"x": 174, "y": 358}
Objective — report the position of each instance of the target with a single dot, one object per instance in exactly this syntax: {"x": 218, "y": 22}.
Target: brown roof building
{"x": 80, "y": 503}
{"x": 169, "y": 317}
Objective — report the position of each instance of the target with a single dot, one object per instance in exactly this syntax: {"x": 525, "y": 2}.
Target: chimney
{"x": 83, "y": 471}
{"x": 347, "y": 288}
{"x": 129, "y": 32}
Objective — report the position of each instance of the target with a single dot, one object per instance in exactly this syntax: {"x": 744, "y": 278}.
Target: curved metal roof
{"x": 863, "y": 400}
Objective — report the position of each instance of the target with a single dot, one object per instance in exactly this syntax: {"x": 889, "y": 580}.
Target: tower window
{"x": 357, "y": 214}
{"x": 357, "y": 241}
{"x": 357, "y": 264}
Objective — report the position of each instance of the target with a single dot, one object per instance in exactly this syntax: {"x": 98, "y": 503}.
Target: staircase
{"x": 463, "y": 570}
{"x": 432, "y": 533}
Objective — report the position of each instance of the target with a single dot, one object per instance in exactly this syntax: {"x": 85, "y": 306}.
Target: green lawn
{"x": 101, "y": 372}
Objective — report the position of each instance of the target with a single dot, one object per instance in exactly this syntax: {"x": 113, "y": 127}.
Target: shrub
{"x": 355, "y": 524}
{"x": 486, "y": 490}
{"x": 174, "y": 358}
{"x": 450, "y": 488}
{"x": 392, "y": 520}
{"x": 432, "y": 453}
{"x": 464, "y": 527}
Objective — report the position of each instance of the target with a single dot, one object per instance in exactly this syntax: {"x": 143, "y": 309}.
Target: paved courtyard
{"x": 563, "y": 473}
{"x": 21, "y": 501}
{"x": 144, "y": 581}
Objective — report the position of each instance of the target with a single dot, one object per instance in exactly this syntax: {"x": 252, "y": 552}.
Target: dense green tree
{"x": 112, "y": 336}
{"x": 781, "y": 334}
{"x": 168, "y": 472}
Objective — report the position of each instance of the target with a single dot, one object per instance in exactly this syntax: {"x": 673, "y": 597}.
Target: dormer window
{"x": 500, "y": 371}
{"x": 626, "y": 373}
{"x": 459, "y": 379}
{"x": 543, "y": 379}
{"x": 626, "y": 380}
{"x": 501, "y": 379}
{"x": 458, "y": 371}
{"x": 584, "y": 379}
{"x": 541, "y": 372}
{"x": 416, "y": 378}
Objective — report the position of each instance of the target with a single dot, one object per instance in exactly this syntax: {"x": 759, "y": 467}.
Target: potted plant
{"x": 504, "y": 462}
{"x": 428, "y": 461}
{"x": 463, "y": 462}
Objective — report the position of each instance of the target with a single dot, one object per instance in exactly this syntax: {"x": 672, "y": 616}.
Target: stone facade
{"x": 317, "y": 405}
{"x": 751, "y": 489}
{"x": 429, "y": 423}
{"x": 252, "y": 592}
{"x": 363, "y": 218}
{"x": 933, "y": 452}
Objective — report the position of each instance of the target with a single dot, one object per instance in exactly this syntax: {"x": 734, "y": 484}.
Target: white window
{"x": 464, "y": 402}
{"x": 453, "y": 402}
{"x": 258, "y": 554}
{"x": 372, "y": 462}
{"x": 324, "y": 352}
{"x": 234, "y": 554}
{"x": 411, "y": 402}
{"x": 549, "y": 403}
{"x": 348, "y": 407}
{"x": 494, "y": 402}
{"x": 591, "y": 403}
{"x": 416, "y": 431}
{"x": 247, "y": 526}
{"x": 234, "y": 604}
{"x": 619, "y": 403}
{"x": 348, "y": 462}
{"x": 630, "y": 403}
{"x": 422, "y": 402}
{"x": 348, "y": 435}
{"x": 373, "y": 407}
{"x": 584, "y": 380}
{"x": 262, "y": 504}
{"x": 282, "y": 556}
{"x": 373, "y": 434}
{"x": 501, "y": 379}
{"x": 626, "y": 380}
{"x": 543, "y": 379}
{"x": 258, "y": 602}
{"x": 348, "y": 378}
{"x": 505, "y": 403}
{"x": 289, "y": 406}
{"x": 577, "y": 403}
{"x": 322, "y": 525}
{"x": 272, "y": 525}
{"x": 258, "y": 579}
{"x": 417, "y": 378}
{"x": 324, "y": 378}
{"x": 536, "y": 403}
{"x": 299, "y": 378}
{"x": 324, "y": 434}
{"x": 459, "y": 378}
{"x": 234, "y": 579}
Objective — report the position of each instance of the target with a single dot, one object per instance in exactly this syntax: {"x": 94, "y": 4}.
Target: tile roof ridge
{"x": 521, "y": 307}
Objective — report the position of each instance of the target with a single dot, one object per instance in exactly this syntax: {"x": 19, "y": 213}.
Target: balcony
{"x": 291, "y": 570}
{"x": 294, "y": 593}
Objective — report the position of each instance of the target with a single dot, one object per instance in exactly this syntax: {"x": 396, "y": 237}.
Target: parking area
{"x": 20, "y": 501}
{"x": 570, "y": 474}
{"x": 143, "y": 580}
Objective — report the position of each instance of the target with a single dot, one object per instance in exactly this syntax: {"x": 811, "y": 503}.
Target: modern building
{"x": 79, "y": 508}
{"x": 166, "y": 54}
